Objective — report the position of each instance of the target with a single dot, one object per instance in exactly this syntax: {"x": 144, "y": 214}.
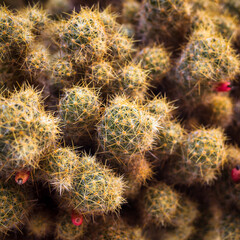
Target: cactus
{"x": 95, "y": 189}
{"x": 125, "y": 129}
{"x": 164, "y": 20}
{"x": 83, "y": 34}
{"x": 221, "y": 108}
{"x": 26, "y": 130}
{"x": 37, "y": 19}
{"x": 160, "y": 108}
{"x": 130, "y": 11}
{"x": 203, "y": 156}
{"x": 207, "y": 60}
{"x": 59, "y": 167}
{"x": 12, "y": 207}
{"x": 159, "y": 204}
{"x": 40, "y": 223}
{"x": 66, "y": 230}
{"x": 79, "y": 110}
{"x": 156, "y": 60}
{"x": 113, "y": 229}
{"x": 37, "y": 61}
{"x": 133, "y": 81}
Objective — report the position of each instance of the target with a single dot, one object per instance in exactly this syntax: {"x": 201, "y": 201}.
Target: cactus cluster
{"x": 119, "y": 125}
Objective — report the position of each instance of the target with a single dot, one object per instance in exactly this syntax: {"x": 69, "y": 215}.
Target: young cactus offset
{"x": 13, "y": 207}
{"x": 156, "y": 60}
{"x": 159, "y": 204}
{"x": 79, "y": 110}
{"x": 203, "y": 156}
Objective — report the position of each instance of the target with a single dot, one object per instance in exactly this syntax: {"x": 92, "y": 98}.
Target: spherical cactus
{"x": 170, "y": 138}
{"x": 120, "y": 47}
{"x": 26, "y": 130}
{"x": 12, "y": 207}
{"x": 207, "y": 60}
{"x": 126, "y": 129}
{"x": 59, "y": 166}
{"x": 116, "y": 229}
{"x": 159, "y": 204}
{"x": 40, "y": 223}
{"x": 160, "y": 108}
{"x": 79, "y": 110}
{"x": 101, "y": 76}
{"x": 203, "y": 156}
{"x": 37, "y": 17}
{"x": 37, "y": 61}
{"x": 84, "y": 34}
{"x": 130, "y": 11}
{"x": 95, "y": 189}
{"x": 221, "y": 108}
{"x": 164, "y": 20}
{"x": 156, "y": 60}
{"x": 133, "y": 81}
{"x": 66, "y": 230}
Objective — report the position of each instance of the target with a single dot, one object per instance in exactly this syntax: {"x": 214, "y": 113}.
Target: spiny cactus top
{"x": 207, "y": 59}
{"x": 12, "y": 207}
{"x": 95, "y": 189}
{"x": 26, "y": 130}
{"x": 79, "y": 108}
{"x": 160, "y": 204}
{"x": 126, "y": 129}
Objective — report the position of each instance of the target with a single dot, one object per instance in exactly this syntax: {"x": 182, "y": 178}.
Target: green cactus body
{"x": 204, "y": 155}
{"x": 160, "y": 204}
{"x": 221, "y": 109}
{"x": 37, "y": 61}
{"x": 130, "y": 11}
{"x": 14, "y": 35}
{"x": 12, "y": 207}
{"x": 160, "y": 108}
{"x": 101, "y": 76}
{"x": 133, "y": 81}
{"x": 59, "y": 167}
{"x": 79, "y": 110}
{"x": 125, "y": 129}
{"x": 170, "y": 137}
{"x": 84, "y": 34}
{"x": 120, "y": 47}
{"x": 229, "y": 229}
{"x": 95, "y": 189}
{"x": 156, "y": 60}
{"x": 208, "y": 59}
{"x": 26, "y": 130}
{"x": 66, "y": 230}
{"x": 37, "y": 17}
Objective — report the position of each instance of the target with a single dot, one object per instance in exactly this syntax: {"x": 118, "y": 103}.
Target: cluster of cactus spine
{"x": 26, "y": 130}
{"x": 126, "y": 129}
{"x": 160, "y": 204}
